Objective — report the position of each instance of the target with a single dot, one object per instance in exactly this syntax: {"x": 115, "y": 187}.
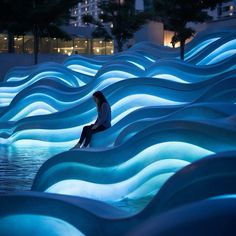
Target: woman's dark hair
{"x": 101, "y": 98}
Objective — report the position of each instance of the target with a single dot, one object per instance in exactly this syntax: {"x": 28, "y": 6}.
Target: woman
{"x": 103, "y": 121}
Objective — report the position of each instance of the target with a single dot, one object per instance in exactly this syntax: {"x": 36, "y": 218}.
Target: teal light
{"x": 158, "y": 162}
{"x": 200, "y": 47}
{"x": 229, "y": 46}
{"x": 37, "y": 225}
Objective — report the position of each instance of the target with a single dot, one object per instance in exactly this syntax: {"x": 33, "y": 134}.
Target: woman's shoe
{"x": 78, "y": 145}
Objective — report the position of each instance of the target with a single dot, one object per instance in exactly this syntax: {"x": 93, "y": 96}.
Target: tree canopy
{"x": 123, "y": 17}
{"x": 41, "y": 17}
{"x": 176, "y": 14}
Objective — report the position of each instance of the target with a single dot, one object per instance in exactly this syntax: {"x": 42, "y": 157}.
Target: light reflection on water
{"x": 19, "y": 165}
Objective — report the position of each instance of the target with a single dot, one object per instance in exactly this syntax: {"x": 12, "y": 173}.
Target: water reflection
{"x": 19, "y": 165}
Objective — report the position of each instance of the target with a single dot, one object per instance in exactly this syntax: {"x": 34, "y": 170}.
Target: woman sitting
{"x": 103, "y": 121}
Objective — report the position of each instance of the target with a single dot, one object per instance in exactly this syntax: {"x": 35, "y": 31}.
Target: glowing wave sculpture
{"x": 77, "y": 215}
{"x": 78, "y": 71}
{"x": 167, "y": 116}
{"x": 125, "y": 97}
{"x": 153, "y": 156}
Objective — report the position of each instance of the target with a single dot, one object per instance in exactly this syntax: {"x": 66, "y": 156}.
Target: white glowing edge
{"x": 165, "y": 155}
{"x": 222, "y": 56}
{"x": 116, "y": 191}
{"x": 117, "y": 74}
{"x": 143, "y": 100}
{"x": 7, "y": 95}
{"x": 11, "y": 92}
{"x": 83, "y": 70}
{"x": 52, "y": 133}
{"x": 227, "y": 46}
{"x": 38, "y": 77}
{"x": 74, "y": 131}
{"x": 156, "y": 182}
{"x": 123, "y": 114}
{"x": 137, "y": 64}
{"x": 225, "y": 196}
{"x": 150, "y": 59}
{"x": 5, "y": 102}
{"x": 105, "y": 83}
{"x": 171, "y": 78}
{"x": 40, "y": 112}
{"x": 16, "y": 78}
{"x": 199, "y": 47}
{"x": 136, "y": 101}
{"x": 59, "y": 102}
{"x": 33, "y": 108}
{"x": 22, "y": 224}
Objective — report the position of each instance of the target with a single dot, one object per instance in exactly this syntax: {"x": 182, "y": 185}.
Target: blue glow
{"x": 222, "y": 56}
{"x": 170, "y": 77}
{"x": 23, "y": 224}
{"x": 83, "y": 69}
{"x": 17, "y": 78}
{"x": 138, "y": 65}
{"x": 200, "y": 47}
{"x": 159, "y": 162}
{"x": 112, "y": 192}
{"x": 167, "y": 114}
{"x": 228, "y": 46}
{"x": 150, "y": 59}
{"x": 36, "y": 108}
{"x": 226, "y": 196}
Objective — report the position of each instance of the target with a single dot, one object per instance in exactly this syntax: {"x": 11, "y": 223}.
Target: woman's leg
{"x": 90, "y": 132}
{"x": 83, "y": 135}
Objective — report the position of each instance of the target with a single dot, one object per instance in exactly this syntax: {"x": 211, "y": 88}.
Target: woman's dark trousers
{"x": 88, "y": 132}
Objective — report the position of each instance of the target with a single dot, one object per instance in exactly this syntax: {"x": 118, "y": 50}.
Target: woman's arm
{"x": 102, "y": 115}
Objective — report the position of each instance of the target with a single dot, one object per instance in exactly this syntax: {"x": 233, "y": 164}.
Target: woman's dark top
{"x": 104, "y": 116}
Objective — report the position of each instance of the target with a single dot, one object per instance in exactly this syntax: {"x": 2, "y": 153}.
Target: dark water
{"x": 18, "y": 166}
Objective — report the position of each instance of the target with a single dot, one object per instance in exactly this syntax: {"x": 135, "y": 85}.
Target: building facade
{"x": 85, "y": 7}
{"x": 224, "y": 10}
{"x": 83, "y": 43}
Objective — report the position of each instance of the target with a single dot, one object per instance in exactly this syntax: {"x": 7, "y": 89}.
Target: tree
{"x": 10, "y": 17}
{"x": 176, "y": 14}
{"x": 41, "y": 17}
{"x": 123, "y": 17}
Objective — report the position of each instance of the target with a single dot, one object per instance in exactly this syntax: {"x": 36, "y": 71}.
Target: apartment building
{"x": 224, "y": 10}
{"x": 85, "y": 7}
